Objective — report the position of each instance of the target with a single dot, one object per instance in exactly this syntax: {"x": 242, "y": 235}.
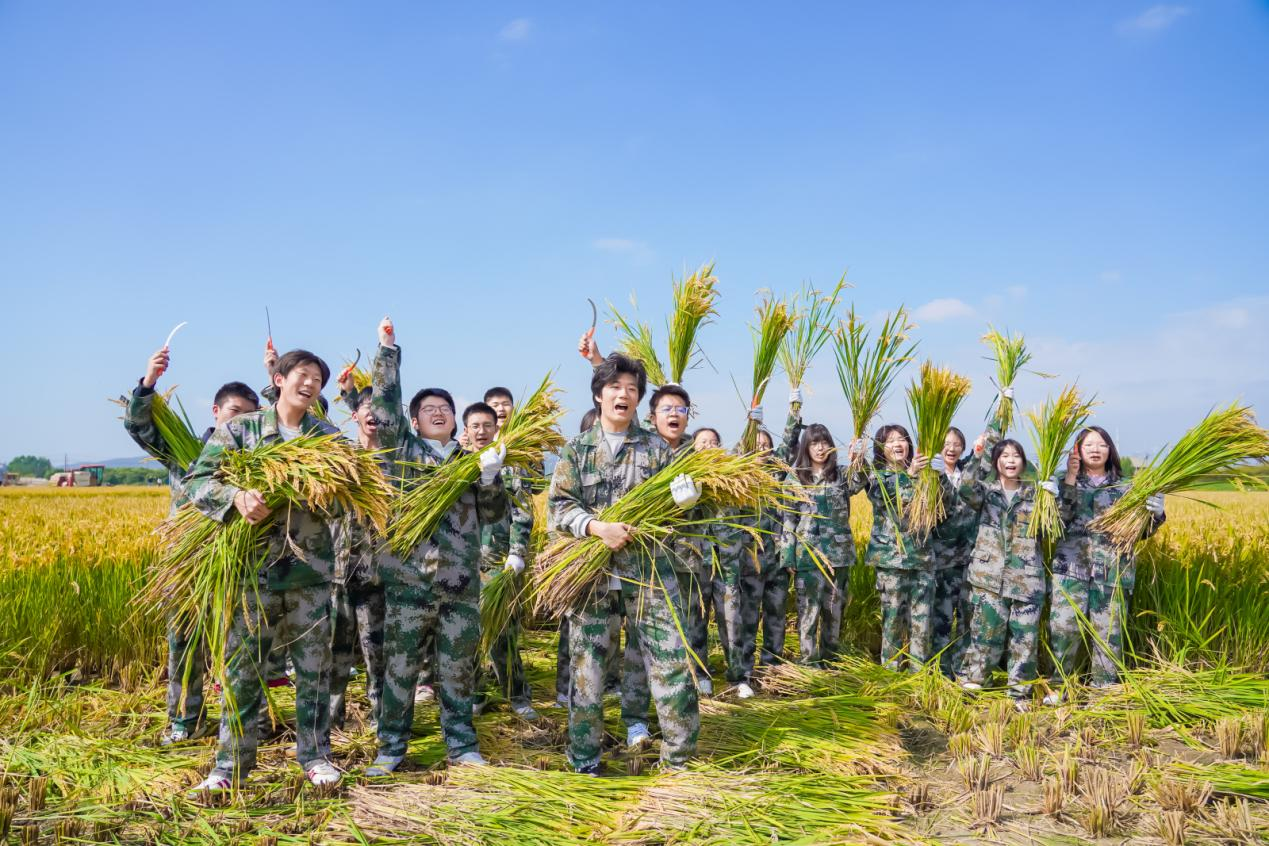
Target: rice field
{"x": 853, "y": 754}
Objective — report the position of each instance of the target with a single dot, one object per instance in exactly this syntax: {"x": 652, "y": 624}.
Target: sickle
{"x": 594, "y": 320}
{"x": 350, "y": 368}
{"x": 172, "y": 334}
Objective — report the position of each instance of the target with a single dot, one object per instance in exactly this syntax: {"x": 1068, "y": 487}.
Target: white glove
{"x": 1154, "y": 504}
{"x": 685, "y": 491}
{"x": 856, "y": 448}
{"x": 491, "y": 463}
{"x": 755, "y": 414}
{"x": 938, "y": 465}
{"x": 1005, "y": 393}
{"x": 795, "y": 396}
{"x": 1050, "y": 486}
{"x": 515, "y": 564}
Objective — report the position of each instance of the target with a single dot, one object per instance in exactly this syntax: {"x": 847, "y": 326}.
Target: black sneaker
{"x": 592, "y": 771}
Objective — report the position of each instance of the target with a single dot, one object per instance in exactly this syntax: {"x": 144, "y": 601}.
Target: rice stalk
{"x": 1053, "y": 427}
{"x": 1011, "y": 355}
{"x": 1220, "y": 445}
{"x": 530, "y": 431}
{"x": 775, "y": 321}
{"x": 183, "y": 445}
{"x": 635, "y": 340}
{"x": 500, "y": 599}
{"x": 693, "y": 305}
{"x": 814, "y": 314}
{"x": 934, "y": 401}
{"x": 1228, "y": 778}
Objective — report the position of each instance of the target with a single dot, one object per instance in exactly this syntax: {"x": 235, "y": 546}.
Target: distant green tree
{"x": 135, "y": 476}
{"x": 31, "y": 465}
{"x": 1126, "y": 465}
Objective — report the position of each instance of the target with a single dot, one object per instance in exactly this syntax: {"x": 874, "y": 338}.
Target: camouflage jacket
{"x": 891, "y": 545}
{"x": 1005, "y": 561}
{"x": 456, "y": 540}
{"x": 511, "y": 534}
{"x": 769, "y": 520}
{"x": 953, "y": 539}
{"x": 138, "y": 421}
{"x": 301, "y": 551}
{"x": 1085, "y": 554}
{"x": 821, "y": 522}
{"x": 589, "y": 478}
{"x": 357, "y": 546}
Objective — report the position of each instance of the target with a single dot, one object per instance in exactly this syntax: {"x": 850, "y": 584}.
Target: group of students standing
{"x": 975, "y": 585}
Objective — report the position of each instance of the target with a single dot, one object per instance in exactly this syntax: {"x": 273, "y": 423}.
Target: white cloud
{"x": 944, "y": 308}
{"x": 517, "y": 30}
{"x": 1110, "y": 277}
{"x": 1154, "y": 19}
{"x": 617, "y": 245}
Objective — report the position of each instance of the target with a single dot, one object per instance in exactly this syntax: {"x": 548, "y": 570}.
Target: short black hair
{"x": 879, "y": 444}
{"x": 495, "y": 392}
{"x": 241, "y": 390}
{"x": 359, "y": 398}
{"x": 717, "y": 436}
{"x": 588, "y": 420}
{"x": 670, "y": 390}
{"x": 960, "y": 436}
{"x": 999, "y": 450}
{"x": 293, "y": 359}
{"x": 612, "y": 367}
{"x": 430, "y": 392}
{"x": 479, "y": 408}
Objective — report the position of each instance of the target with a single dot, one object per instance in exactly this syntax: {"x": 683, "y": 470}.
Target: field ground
{"x": 852, "y": 754}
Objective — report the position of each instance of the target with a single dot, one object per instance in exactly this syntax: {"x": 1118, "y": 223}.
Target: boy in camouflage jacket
{"x": 953, "y": 543}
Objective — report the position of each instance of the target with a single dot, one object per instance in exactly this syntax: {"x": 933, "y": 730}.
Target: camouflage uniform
{"x": 293, "y": 591}
{"x": 358, "y": 606}
{"x": 509, "y": 536}
{"x": 1092, "y": 578}
{"x": 587, "y": 479}
{"x": 1006, "y": 572}
{"x": 953, "y": 542}
{"x": 742, "y": 588}
{"x": 821, "y": 525}
{"x": 435, "y": 588}
{"x": 612, "y": 663}
{"x": 904, "y": 568}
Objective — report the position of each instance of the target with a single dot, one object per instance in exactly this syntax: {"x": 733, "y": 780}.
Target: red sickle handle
{"x": 590, "y": 335}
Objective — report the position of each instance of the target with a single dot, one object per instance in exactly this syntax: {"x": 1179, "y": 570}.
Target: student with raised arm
{"x": 436, "y": 586}
{"x": 596, "y": 469}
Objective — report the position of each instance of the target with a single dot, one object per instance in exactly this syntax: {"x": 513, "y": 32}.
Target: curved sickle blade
{"x": 172, "y": 334}
{"x": 594, "y": 314}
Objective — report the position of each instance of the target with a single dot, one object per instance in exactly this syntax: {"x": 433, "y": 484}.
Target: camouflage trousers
{"x": 998, "y": 620}
{"x": 664, "y": 660}
{"x": 820, "y": 603}
{"x": 304, "y": 615}
{"x": 742, "y": 591}
{"x": 906, "y": 616}
{"x": 506, "y": 667}
{"x": 452, "y": 614}
{"x": 186, "y": 669}
{"x": 704, "y": 592}
{"x": 952, "y": 614}
{"x": 612, "y": 663}
{"x": 357, "y": 628}
{"x": 1103, "y": 607}
{"x": 773, "y": 606}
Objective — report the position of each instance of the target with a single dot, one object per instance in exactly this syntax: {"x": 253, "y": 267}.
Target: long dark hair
{"x": 879, "y": 459}
{"x": 802, "y": 463}
{"x": 999, "y": 449}
{"x": 1114, "y": 472}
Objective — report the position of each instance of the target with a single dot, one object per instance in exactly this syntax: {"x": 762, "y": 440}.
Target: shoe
{"x": 470, "y": 759}
{"x": 525, "y": 711}
{"x": 1022, "y": 706}
{"x": 672, "y": 768}
{"x": 971, "y": 686}
{"x": 705, "y": 686}
{"x": 637, "y": 736}
{"x": 424, "y": 693}
{"x": 174, "y": 736}
{"x": 744, "y": 691}
{"x": 477, "y": 708}
{"x": 217, "y": 782}
{"x": 384, "y": 765}
{"x": 561, "y": 699}
{"x": 323, "y": 774}
{"x": 592, "y": 771}
{"x": 1053, "y": 697}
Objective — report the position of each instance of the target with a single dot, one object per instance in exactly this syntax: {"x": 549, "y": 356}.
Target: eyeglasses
{"x": 434, "y": 409}
{"x": 670, "y": 409}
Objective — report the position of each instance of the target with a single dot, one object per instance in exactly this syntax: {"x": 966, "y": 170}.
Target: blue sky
{"x": 1093, "y": 175}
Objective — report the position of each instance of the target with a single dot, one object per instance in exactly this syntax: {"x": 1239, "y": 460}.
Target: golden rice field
{"x": 1176, "y": 754}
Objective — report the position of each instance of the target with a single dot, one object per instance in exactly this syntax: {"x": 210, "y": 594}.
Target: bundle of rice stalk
{"x": 207, "y": 568}
{"x": 813, "y": 329}
{"x": 635, "y": 340}
{"x": 361, "y": 377}
{"x": 1011, "y": 355}
{"x": 178, "y": 433}
{"x": 569, "y": 569}
{"x": 1053, "y": 426}
{"x": 499, "y": 605}
{"x": 1174, "y": 695}
{"x": 934, "y": 401}
{"x": 693, "y": 304}
{"x": 1220, "y": 445}
{"x": 775, "y": 321}
{"x": 531, "y": 430}
{"x": 1228, "y": 778}
{"x": 865, "y": 371}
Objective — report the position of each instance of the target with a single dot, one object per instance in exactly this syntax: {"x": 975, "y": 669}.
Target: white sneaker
{"x": 471, "y": 759}
{"x": 477, "y": 708}
{"x": 971, "y": 686}
{"x": 323, "y": 774}
{"x": 424, "y": 693}
{"x": 705, "y": 686}
{"x": 561, "y": 700}
{"x": 744, "y": 691}
{"x": 1053, "y": 697}
{"x": 526, "y": 712}
{"x": 637, "y": 736}
{"x": 1022, "y": 706}
{"x": 384, "y": 765}
{"x": 216, "y": 782}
